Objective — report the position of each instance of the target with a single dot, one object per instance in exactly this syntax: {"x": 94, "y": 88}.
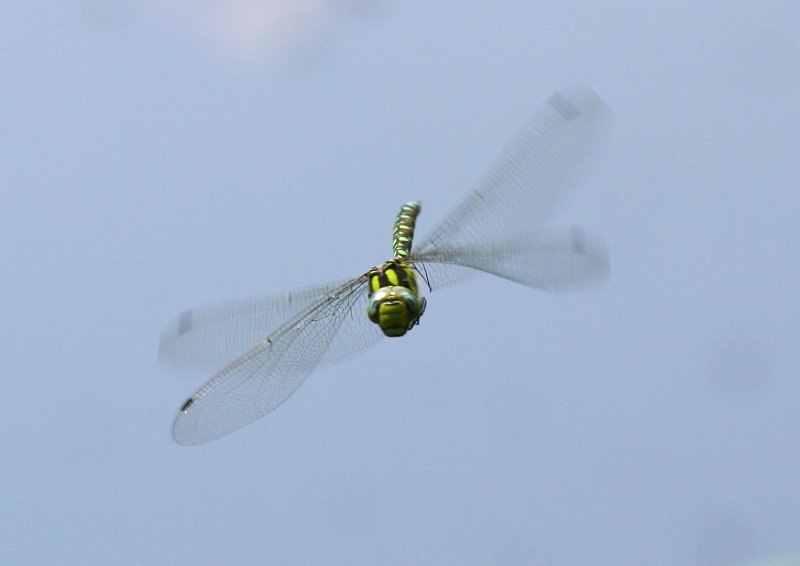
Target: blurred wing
{"x": 263, "y": 378}
{"x": 528, "y": 178}
{"x": 558, "y": 261}
{"x": 210, "y": 337}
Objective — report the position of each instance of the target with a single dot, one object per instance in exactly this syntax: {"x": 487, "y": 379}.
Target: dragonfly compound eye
{"x": 394, "y": 309}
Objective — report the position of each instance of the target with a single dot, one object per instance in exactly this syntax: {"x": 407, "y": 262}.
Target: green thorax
{"x": 393, "y": 273}
{"x": 394, "y": 301}
{"x": 404, "y": 229}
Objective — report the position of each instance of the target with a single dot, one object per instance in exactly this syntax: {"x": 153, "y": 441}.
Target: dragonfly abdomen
{"x": 404, "y": 229}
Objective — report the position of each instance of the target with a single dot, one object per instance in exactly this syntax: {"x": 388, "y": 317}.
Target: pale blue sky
{"x": 156, "y": 156}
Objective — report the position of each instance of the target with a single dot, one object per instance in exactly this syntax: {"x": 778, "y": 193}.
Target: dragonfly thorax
{"x": 394, "y": 301}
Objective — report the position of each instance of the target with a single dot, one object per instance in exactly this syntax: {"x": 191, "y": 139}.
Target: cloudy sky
{"x": 160, "y": 155}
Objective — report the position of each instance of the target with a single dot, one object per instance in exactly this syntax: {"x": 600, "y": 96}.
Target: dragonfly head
{"x": 395, "y": 309}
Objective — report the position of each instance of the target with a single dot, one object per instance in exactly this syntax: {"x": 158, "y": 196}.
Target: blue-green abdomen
{"x": 404, "y": 229}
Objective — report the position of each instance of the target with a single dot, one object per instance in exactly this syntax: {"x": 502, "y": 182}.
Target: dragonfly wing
{"x": 263, "y": 378}
{"x": 550, "y": 260}
{"x": 529, "y": 177}
{"x": 357, "y": 333}
{"x": 210, "y": 337}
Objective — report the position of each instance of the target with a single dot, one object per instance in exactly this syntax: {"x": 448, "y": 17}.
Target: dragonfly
{"x": 268, "y": 346}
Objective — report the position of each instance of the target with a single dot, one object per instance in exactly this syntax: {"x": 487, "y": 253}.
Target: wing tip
{"x": 563, "y": 106}
{"x": 183, "y": 435}
{"x": 184, "y": 323}
{"x": 573, "y": 101}
{"x": 187, "y": 405}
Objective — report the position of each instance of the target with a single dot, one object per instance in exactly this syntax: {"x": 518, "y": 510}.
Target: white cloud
{"x": 257, "y": 28}
{"x": 247, "y": 30}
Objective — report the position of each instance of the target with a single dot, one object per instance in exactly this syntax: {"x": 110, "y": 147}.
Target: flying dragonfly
{"x": 275, "y": 342}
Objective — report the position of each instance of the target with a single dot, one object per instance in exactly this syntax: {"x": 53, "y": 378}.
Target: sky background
{"x": 161, "y": 155}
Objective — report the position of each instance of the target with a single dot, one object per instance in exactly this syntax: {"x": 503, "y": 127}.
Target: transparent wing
{"x": 497, "y": 228}
{"x": 263, "y": 378}
{"x": 210, "y": 337}
{"x": 529, "y": 177}
{"x": 556, "y": 261}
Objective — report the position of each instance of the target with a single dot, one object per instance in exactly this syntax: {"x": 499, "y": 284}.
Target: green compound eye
{"x": 394, "y": 309}
{"x": 374, "y": 304}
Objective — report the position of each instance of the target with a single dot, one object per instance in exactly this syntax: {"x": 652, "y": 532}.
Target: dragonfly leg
{"x": 423, "y": 304}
